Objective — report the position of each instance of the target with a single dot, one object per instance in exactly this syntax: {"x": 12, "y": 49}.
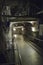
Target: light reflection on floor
{"x": 28, "y": 54}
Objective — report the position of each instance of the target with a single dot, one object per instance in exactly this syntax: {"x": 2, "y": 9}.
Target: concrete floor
{"x": 29, "y": 56}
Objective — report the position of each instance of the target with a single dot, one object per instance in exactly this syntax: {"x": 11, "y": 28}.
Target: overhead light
{"x": 14, "y": 29}
{"x": 33, "y": 29}
{"x": 15, "y": 35}
{"x": 22, "y": 29}
{"x": 31, "y": 22}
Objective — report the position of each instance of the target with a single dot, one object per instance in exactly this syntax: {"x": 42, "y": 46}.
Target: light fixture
{"x": 33, "y": 29}
{"x": 15, "y": 35}
{"x": 14, "y": 29}
{"x": 31, "y": 22}
{"x": 22, "y": 29}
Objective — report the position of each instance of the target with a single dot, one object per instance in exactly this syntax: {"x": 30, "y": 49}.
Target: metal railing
{"x": 36, "y": 40}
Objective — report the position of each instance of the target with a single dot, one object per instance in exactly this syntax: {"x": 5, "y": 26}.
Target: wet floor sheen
{"x": 29, "y": 55}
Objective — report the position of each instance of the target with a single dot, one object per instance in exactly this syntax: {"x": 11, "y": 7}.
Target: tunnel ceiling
{"x": 28, "y": 7}
{"x": 38, "y": 3}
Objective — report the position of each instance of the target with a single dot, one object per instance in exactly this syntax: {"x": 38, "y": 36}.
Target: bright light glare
{"x": 14, "y": 29}
{"x": 15, "y": 35}
{"x": 22, "y": 29}
{"x": 31, "y": 22}
{"x": 33, "y": 29}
